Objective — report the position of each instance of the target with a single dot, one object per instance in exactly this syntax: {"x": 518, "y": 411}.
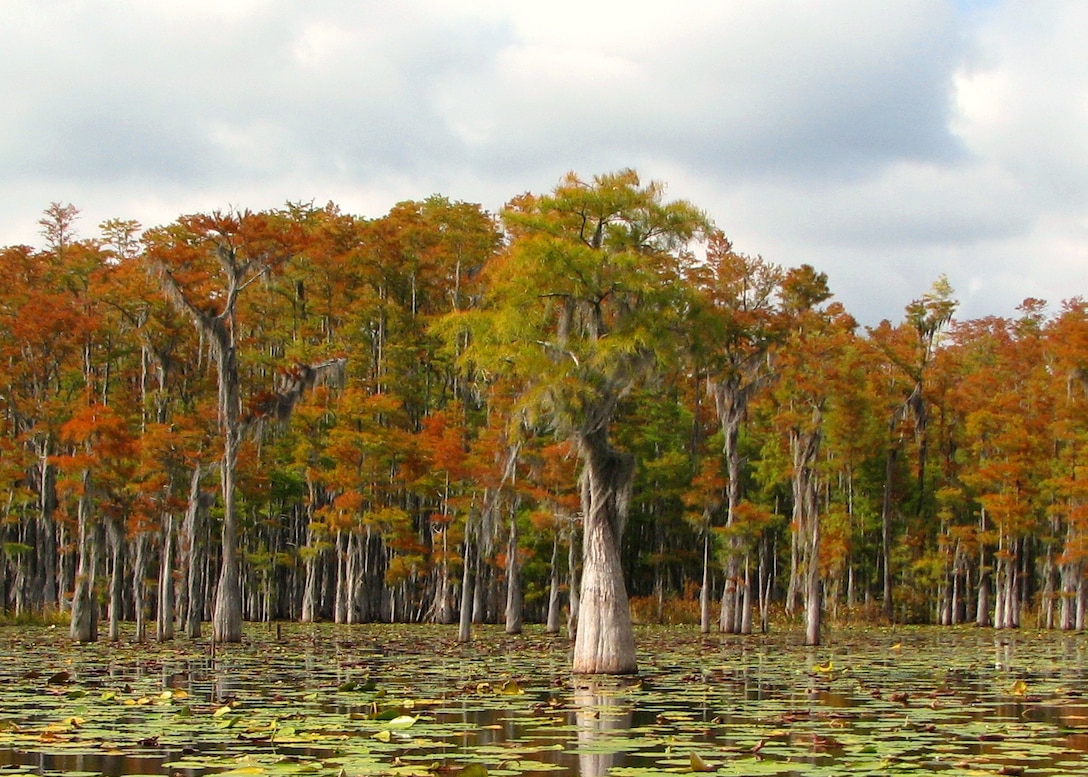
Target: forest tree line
{"x": 303, "y": 414}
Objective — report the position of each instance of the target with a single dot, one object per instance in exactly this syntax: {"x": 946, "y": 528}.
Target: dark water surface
{"x": 343, "y": 701}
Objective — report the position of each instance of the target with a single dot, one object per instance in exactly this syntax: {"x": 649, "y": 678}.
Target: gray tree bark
{"x": 164, "y": 621}
{"x": 605, "y": 642}
{"x": 514, "y": 618}
{"x": 84, "y": 624}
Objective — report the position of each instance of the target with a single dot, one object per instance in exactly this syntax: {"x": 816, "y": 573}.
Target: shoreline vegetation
{"x": 589, "y": 402}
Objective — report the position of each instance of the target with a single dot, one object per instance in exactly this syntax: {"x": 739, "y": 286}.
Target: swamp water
{"x": 340, "y": 701}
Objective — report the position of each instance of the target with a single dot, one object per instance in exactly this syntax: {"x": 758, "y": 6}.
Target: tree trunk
{"x": 1082, "y": 602}
{"x": 746, "y": 601}
{"x": 116, "y": 538}
{"x": 84, "y": 623}
{"x": 440, "y": 607}
{"x": 340, "y": 606}
{"x": 793, "y": 590}
{"x": 312, "y": 565}
{"x": 464, "y": 617}
{"x": 47, "y": 537}
{"x": 886, "y": 533}
{"x": 227, "y": 617}
{"x": 805, "y": 446}
{"x": 353, "y": 571}
{"x": 552, "y": 626}
{"x": 192, "y": 547}
{"x": 605, "y": 642}
{"x": 574, "y": 583}
{"x": 164, "y": 622}
{"x": 514, "y": 618}
{"x": 982, "y": 606}
{"x": 704, "y": 590}
{"x": 139, "y": 586}
{"x": 731, "y": 399}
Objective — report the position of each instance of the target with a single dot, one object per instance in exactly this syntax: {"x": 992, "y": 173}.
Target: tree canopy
{"x": 591, "y": 402}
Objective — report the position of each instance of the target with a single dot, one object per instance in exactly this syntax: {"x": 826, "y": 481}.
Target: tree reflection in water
{"x": 602, "y": 710}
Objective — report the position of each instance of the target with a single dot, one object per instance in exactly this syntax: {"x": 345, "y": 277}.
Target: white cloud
{"x": 882, "y": 142}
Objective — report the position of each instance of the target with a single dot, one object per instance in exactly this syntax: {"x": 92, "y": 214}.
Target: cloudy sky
{"x": 885, "y": 142}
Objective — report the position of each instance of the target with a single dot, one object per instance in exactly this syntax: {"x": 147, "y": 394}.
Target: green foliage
{"x": 475, "y": 349}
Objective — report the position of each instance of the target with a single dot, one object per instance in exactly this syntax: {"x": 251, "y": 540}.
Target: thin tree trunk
{"x": 464, "y": 617}
{"x": 116, "y": 538}
{"x": 84, "y": 623}
{"x": 514, "y": 618}
{"x": 805, "y": 446}
{"x": 139, "y": 585}
{"x": 886, "y": 532}
{"x": 312, "y": 564}
{"x": 47, "y": 538}
{"x": 553, "y": 626}
{"x": 227, "y": 617}
{"x": 193, "y": 550}
{"x": 574, "y": 583}
{"x": 746, "y": 600}
{"x": 164, "y": 622}
{"x": 704, "y": 590}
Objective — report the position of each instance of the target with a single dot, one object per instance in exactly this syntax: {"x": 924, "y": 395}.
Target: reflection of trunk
{"x": 84, "y": 623}
{"x": 513, "y": 580}
{"x": 599, "y": 711}
{"x": 605, "y": 642}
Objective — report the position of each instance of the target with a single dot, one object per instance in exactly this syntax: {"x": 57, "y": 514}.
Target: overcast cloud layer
{"x": 883, "y": 142}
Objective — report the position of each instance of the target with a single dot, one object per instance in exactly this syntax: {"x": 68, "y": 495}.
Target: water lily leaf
{"x": 245, "y": 770}
{"x": 403, "y": 721}
{"x": 473, "y": 770}
{"x": 699, "y": 765}
{"x": 511, "y": 688}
